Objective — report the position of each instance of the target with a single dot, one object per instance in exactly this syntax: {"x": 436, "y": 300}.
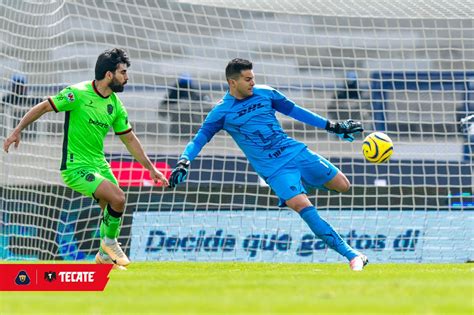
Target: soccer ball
{"x": 377, "y": 147}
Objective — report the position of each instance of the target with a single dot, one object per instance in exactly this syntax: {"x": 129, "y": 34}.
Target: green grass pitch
{"x": 263, "y": 288}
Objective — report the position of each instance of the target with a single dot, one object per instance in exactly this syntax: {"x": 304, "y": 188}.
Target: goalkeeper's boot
{"x": 102, "y": 258}
{"x": 115, "y": 252}
{"x": 358, "y": 263}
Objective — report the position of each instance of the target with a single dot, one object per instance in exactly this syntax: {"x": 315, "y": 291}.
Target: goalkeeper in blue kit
{"x": 247, "y": 112}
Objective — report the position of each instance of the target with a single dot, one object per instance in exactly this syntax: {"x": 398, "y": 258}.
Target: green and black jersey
{"x": 89, "y": 117}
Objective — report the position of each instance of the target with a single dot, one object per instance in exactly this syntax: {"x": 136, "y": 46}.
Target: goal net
{"x": 401, "y": 67}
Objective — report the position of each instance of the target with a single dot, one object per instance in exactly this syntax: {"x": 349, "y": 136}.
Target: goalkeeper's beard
{"x": 116, "y": 86}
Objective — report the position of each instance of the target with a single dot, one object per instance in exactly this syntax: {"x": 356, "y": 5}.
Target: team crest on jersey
{"x": 110, "y": 109}
{"x": 70, "y": 97}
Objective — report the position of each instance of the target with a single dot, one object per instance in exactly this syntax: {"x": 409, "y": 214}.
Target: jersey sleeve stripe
{"x": 50, "y": 100}
{"x": 123, "y": 132}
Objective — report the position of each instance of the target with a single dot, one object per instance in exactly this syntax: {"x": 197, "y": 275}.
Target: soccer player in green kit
{"x": 92, "y": 107}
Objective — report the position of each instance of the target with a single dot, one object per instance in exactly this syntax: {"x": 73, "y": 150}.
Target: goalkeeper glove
{"x": 180, "y": 173}
{"x": 345, "y": 130}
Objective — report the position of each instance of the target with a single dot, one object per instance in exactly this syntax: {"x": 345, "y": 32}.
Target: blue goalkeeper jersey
{"x": 253, "y": 125}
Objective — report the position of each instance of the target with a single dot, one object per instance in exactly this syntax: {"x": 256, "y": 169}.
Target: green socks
{"x": 110, "y": 223}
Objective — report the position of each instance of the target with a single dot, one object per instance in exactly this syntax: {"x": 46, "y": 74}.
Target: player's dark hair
{"x": 109, "y": 60}
{"x": 235, "y": 66}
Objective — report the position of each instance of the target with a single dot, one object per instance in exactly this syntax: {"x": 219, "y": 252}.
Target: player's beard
{"x": 116, "y": 86}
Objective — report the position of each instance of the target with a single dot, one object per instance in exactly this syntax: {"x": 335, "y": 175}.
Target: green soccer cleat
{"x": 115, "y": 252}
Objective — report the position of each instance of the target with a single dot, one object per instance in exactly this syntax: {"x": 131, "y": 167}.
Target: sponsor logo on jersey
{"x": 110, "y": 109}
{"x": 249, "y": 109}
{"x": 278, "y": 152}
{"x": 98, "y": 123}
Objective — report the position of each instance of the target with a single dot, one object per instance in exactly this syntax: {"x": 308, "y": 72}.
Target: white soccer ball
{"x": 377, "y": 147}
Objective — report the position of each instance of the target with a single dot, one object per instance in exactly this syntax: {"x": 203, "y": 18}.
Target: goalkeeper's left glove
{"x": 180, "y": 173}
{"x": 346, "y": 129}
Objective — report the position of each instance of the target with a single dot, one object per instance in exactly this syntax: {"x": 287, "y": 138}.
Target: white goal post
{"x": 401, "y": 67}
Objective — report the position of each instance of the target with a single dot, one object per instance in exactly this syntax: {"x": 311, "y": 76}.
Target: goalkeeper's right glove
{"x": 346, "y": 129}
{"x": 180, "y": 173}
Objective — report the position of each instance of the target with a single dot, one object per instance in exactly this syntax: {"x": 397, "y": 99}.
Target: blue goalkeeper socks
{"x": 325, "y": 231}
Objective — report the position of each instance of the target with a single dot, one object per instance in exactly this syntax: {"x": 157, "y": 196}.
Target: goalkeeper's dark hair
{"x": 109, "y": 61}
{"x": 235, "y": 66}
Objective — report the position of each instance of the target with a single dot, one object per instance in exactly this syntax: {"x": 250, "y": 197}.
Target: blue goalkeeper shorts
{"x": 306, "y": 170}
